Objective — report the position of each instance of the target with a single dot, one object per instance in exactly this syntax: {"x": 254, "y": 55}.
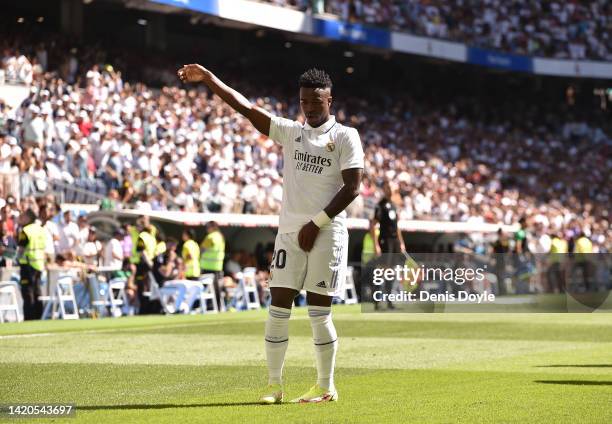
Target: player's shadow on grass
{"x": 576, "y": 382}
{"x": 576, "y": 366}
{"x": 163, "y": 406}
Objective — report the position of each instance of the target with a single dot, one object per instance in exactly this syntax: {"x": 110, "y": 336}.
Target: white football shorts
{"x": 322, "y": 270}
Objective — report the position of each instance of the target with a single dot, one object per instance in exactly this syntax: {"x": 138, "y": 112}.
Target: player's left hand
{"x": 307, "y": 236}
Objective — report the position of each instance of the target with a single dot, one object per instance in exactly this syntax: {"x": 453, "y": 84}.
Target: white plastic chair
{"x": 249, "y": 288}
{"x": 208, "y": 293}
{"x": 9, "y": 302}
{"x": 153, "y": 293}
{"x": 64, "y": 294}
{"x": 116, "y": 296}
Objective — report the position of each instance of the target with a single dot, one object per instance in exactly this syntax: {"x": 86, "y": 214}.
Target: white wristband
{"x": 321, "y": 219}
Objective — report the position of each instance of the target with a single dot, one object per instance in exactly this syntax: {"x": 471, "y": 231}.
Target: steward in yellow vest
{"x": 145, "y": 248}
{"x": 191, "y": 255}
{"x": 213, "y": 249}
{"x": 211, "y": 258}
{"x": 583, "y": 247}
{"x": 558, "y": 247}
{"x": 150, "y": 244}
{"x": 368, "y": 251}
{"x": 142, "y": 225}
{"x": 32, "y": 241}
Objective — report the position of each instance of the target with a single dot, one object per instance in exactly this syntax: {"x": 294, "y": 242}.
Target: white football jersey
{"x": 314, "y": 159}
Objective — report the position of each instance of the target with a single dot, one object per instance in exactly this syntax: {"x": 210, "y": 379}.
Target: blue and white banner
{"x": 572, "y": 68}
{"x": 494, "y": 59}
{"x": 210, "y": 7}
{"x": 353, "y": 33}
{"x": 430, "y": 47}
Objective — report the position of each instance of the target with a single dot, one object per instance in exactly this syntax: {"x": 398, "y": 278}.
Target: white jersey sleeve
{"x": 284, "y": 130}
{"x": 351, "y": 151}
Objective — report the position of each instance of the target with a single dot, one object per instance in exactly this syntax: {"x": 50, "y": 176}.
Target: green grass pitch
{"x": 391, "y": 368}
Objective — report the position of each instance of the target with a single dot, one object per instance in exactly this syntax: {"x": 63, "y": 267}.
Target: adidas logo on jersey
{"x": 299, "y": 139}
{"x": 321, "y": 284}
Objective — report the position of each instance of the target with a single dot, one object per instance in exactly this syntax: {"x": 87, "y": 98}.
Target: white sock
{"x": 325, "y": 343}
{"x": 277, "y": 340}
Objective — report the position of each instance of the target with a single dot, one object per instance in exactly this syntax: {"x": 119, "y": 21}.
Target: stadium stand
{"x": 98, "y": 137}
{"x": 87, "y": 134}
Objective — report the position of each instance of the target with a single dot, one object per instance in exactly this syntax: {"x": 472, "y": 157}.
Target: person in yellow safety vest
{"x": 142, "y": 224}
{"x": 160, "y": 247}
{"x": 212, "y": 254}
{"x": 582, "y": 250}
{"x": 556, "y": 270}
{"x": 213, "y": 249}
{"x": 32, "y": 241}
{"x": 133, "y": 230}
{"x": 583, "y": 245}
{"x": 145, "y": 247}
{"x": 149, "y": 243}
{"x": 558, "y": 246}
{"x": 191, "y": 255}
{"x": 368, "y": 251}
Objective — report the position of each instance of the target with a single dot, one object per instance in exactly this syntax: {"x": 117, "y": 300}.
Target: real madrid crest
{"x": 330, "y": 146}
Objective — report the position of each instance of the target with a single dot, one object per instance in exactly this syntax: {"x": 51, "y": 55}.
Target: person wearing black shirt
{"x": 521, "y": 237}
{"x": 390, "y": 238}
{"x": 389, "y": 241}
{"x": 164, "y": 264}
{"x": 501, "y": 247}
{"x": 144, "y": 269}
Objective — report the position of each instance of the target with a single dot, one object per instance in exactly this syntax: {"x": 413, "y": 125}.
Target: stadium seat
{"x": 8, "y": 301}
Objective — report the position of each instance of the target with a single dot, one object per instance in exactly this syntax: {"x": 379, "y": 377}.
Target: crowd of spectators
{"x": 558, "y": 29}
{"x": 179, "y": 148}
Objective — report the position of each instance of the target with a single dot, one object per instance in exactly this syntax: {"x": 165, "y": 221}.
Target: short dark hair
{"x": 31, "y": 215}
{"x": 190, "y": 232}
{"x": 315, "y": 78}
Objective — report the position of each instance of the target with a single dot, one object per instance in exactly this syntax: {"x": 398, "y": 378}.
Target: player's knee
{"x": 282, "y": 297}
{"x": 316, "y": 299}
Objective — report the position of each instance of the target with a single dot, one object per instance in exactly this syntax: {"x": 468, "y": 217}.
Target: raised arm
{"x": 259, "y": 117}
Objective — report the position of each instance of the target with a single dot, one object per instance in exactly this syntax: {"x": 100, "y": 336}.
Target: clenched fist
{"x": 193, "y": 73}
